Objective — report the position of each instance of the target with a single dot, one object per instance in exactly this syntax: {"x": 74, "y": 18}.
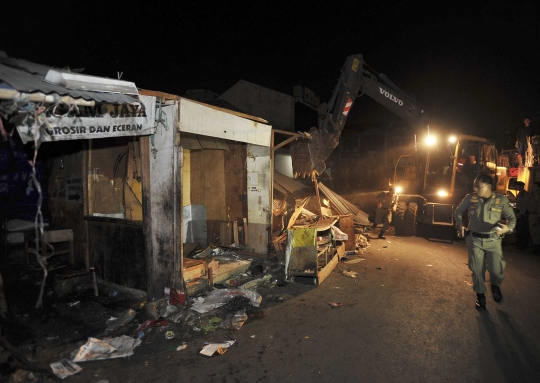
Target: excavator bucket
{"x": 308, "y": 155}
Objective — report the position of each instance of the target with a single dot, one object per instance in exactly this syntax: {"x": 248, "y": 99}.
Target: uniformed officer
{"x": 386, "y": 201}
{"x": 484, "y": 235}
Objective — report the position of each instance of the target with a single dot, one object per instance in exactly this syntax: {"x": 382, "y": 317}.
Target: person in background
{"x": 386, "y": 202}
{"x": 483, "y": 235}
{"x": 534, "y": 217}
{"x": 522, "y": 216}
{"x": 522, "y": 141}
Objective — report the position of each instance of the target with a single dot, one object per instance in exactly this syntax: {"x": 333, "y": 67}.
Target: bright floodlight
{"x": 398, "y": 189}
{"x": 430, "y": 140}
{"x": 442, "y": 193}
{"x": 452, "y": 139}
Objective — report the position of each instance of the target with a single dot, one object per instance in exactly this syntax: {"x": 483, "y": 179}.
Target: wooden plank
{"x": 325, "y": 272}
{"x": 208, "y": 182}
{"x": 340, "y": 250}
{"x": 186, "y": 177}
{"x": 346, "y": 225}
{"x": 297, "y": 213}
{"x": 235, "y": 233}
{"x": 193, "y": 272}
{"x": 228, "y": 270}
{"x": 235, "y": 181}
{"x": 225, "y": 233}
{"x": 137, "y": 155}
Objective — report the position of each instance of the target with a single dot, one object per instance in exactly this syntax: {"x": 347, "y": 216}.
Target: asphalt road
{"x": 408, "y": 316}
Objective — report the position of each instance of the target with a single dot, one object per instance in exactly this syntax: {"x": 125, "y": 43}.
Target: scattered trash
{"x": 235, "y": 321}
{"x": 253, "y": 336}
{"x": 379, "y": 268}
{"x": 220, "y": 348}
{"x": 125, "y": 318}
{"x": 212, "y": 325}
{"x": 279, "y": 299}
{"x": 218, "y": 298}
{"x": 183, "y": 346}
{"x": 350, "y": 252}
{"x": 354, "y": 261}
{"x": 150, "y": 310}
{"x": 351, "y": 274}
{"x": 140, "y": 334}
{"x": 338, "y": 234}
{"x": 361, "y": 240}
{"x": 429, "y": 265}
{"x": 64, "y": 368}
{"x": 256, "y": 282}
{"x": 307, "y": 337}
{"x": 388, "y": 241}
{"x": 384, "y": 247}
{"x": 97, "y": 349}
{"x": 174, "y": 297}
{"x": 467, "y": 282}
{"x": 152, "y": 323}
{"x": 111, "y": 319}
{"x": 113, "y": 293}
{"x": 335, "y": 304}
{"x": 169, "y": 335}
{"x": 74, "y": 303}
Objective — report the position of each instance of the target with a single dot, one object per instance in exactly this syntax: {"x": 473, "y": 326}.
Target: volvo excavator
{"x": 432, "y": 179}
{"x": 357, "y": 78}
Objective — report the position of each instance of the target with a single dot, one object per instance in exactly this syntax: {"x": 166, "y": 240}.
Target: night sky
{"x": 474, "y": 67}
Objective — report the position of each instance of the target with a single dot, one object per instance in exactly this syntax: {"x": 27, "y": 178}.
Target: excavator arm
{"x": 308, "y": 155}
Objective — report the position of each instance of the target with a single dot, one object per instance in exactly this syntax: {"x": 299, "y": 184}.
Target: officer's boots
{"x": 480, "y": 301}
{"x": 497, "y": 293}
{"x": 381, "y": 234}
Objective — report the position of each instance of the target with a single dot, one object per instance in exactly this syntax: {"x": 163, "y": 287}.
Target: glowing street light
{"x": 430, "y": 140}
{"x": 452, "y": 139}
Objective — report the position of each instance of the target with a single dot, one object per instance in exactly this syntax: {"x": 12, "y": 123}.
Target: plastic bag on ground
{"x": 235, "y": 321}
{"x": 218, "y": 298}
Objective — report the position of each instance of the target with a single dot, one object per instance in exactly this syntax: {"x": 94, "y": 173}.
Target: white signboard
{"x": 74, "y": 189}
{"x": 99, "y": 121}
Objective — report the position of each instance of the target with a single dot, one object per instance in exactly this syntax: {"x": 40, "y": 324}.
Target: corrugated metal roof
{"x": 24, "y": 82}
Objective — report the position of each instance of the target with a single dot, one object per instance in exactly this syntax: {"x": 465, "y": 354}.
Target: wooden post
{"x": 318, "y": 197}
{"x": 246, "y": 236}
{"x": 147, "y": 218}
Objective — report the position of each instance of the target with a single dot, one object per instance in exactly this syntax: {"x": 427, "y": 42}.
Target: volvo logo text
{"x": 391, "y": 96}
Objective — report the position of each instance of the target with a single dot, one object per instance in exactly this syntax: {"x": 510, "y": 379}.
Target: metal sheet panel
{"x": 25, "y": 82}
{"x": 200, "y": 119}
{"x": 194, "y": 227}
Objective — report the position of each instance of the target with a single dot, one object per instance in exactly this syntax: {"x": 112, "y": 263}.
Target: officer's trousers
{"x": 383, "y": 216}
{"x": 485, "y": 253}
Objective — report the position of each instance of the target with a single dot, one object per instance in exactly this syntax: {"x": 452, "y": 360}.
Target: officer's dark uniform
{"x": 483, "y": 244}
